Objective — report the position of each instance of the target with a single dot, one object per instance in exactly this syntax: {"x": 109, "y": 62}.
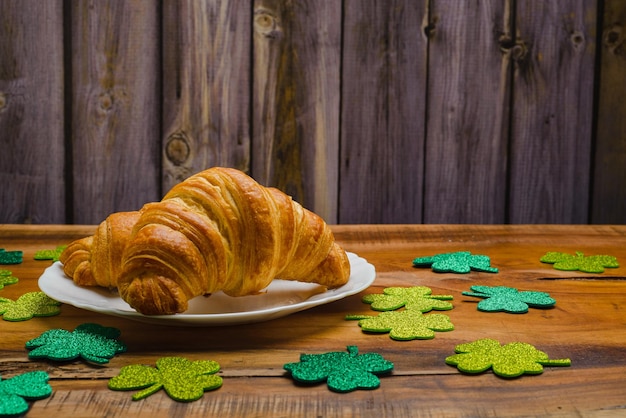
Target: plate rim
{"x": 228, "y": 318}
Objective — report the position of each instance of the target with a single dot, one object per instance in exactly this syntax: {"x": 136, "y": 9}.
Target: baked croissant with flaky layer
{"x": 217, "y": 230}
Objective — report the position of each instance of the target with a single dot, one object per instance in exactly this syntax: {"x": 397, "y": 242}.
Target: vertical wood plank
{"x": 115, "y": 107}
{"x": 296, "y": 100}
{"x": 468, "y": 103}
{"x": 609, "y": 177}
{"x": 32, "y": 188}
{"x": 552, "y": 114}
{"x": 206, "y": 86}
{"x": 382, "y": 112}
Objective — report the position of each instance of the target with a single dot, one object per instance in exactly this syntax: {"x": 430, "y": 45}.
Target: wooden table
{"x": 587, "y": 325}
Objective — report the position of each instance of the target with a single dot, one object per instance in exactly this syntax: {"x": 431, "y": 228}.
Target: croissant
{"x": 219, "y": 230}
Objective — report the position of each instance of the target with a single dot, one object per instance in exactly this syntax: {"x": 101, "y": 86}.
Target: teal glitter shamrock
{"x": 509, "y": 299}
{"x": 92, "y": 342}
{"x": 404, "y": 325}
{"x": 343, "y": 372}
{"x": 16, "y": 391}
{"x": 6, "y": 278}
{"x": 50, "y": 254}
{"x": 27, "y": 306}
{"x": 416, "y": 298}
{"x": 182, "y": 379}
{"x": 10, "y": 257}
{"x": 510, "y": 360}
{"x": 456, "y": 262}
{"x": 587, "y": 264}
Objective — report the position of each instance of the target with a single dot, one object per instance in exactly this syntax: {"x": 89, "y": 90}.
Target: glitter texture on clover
{"x": 418, "y": 298}
{"x": 456, "y": 262}
{"x": 404, "y": 325}
{"x": 509, "y": 299}
{"x": 579, "y": 261}
{"x": 509, "y": 360}
{"x": 342, "y": 371}
{"x": 183, "y": 380}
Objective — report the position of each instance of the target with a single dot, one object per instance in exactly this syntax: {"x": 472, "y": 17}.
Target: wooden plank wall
{"x": 365, "y": 111}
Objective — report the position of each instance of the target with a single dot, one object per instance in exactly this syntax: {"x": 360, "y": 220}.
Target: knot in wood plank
{"x": 613, "y": 38}
{"x": 177, "y": 149}
{"x": 267, "y": 24}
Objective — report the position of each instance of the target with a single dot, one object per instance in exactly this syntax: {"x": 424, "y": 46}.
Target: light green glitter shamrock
{"x": 27, "y": 306}
{"x": 50, "y": 254}
{"x": 456, "y": 262}
{"x": 414, "y": 298}
{"x": 405, "y": 325}
{"x": 183, "y": 380}
{"x": 510, "y": 360}
{"x": 587, "y": 264}
{"x": 16, "y": 391}
{"x": 509, "y": 299}
{"x": 343, "y": 372}
{"x": 7, "y": 278}
{"x": 93, "y": 342}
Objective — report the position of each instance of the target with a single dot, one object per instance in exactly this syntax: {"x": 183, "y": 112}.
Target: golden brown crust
{"x": 217, "y": 230}
{"x": 96, "y": 260}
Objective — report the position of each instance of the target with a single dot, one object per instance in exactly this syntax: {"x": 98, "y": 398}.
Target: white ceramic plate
{"x": 281, "y": 298}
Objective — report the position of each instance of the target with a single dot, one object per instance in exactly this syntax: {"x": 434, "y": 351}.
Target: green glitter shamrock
{"x": 6, "y": 278}
{"x": 509, "y": 299}
{"x": 415, "y": 298}
{"x": 405, "y": 325}
{"x": 27, "y": 306}
{"x": 456, "y": 262}
{"x": 15, "y": 392}
{"x": 50, "y": 254}
{"x": 587, "y": 264}
{"x": 510, "y": 360}
{"x": 343, "y": 372}
{"x": 10, "y": 257}
{"x": 93, "y": 342}
{"x": 183, "y": 380}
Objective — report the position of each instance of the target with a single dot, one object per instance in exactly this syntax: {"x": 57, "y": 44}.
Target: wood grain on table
{"x": 587, "y": 325}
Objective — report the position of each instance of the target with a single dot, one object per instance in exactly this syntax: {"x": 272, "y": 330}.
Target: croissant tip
{"x": 154, "y": 295}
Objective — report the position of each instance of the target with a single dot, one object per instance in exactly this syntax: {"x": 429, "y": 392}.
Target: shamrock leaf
{"x": 508, "y": 299}
{"x": 27, "y": 306}
{"x": 415, "y": 298}
{"x": 587, "y": 264}
{"x": 14, "y": 392}
{"x": 510, "y": 360}
{"x": 6, "y": 278}
{"x": 405, "y": 325}
{"x": 343, "y": 372}
{"x": 50, "y": 254}
{"x": 10, "y": 257}
{"x": 183, "y": 380}
{"x": 92, "y": 342}
{"x": 457, "y": 262}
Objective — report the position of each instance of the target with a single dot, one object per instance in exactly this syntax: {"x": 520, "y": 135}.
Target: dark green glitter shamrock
{"x": 183, "y": 380}
{"x": 510, "y": 360}
{"x": 415, "y": 298}
{"x": 587, "y": 264}
{"x": 16, "y": 391}
{"x": 509, "y": 299}
{"x": 10, "y": 257}
{"x": 50, "y": 254}
{"x": 456, "y": 262}
{"x": 6, "y": 278}
{"x": 93, "y": 342}
{"x": 405, "y": 325}
{"x": 27, "y": 306}
{"x": 343, "y": 372}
